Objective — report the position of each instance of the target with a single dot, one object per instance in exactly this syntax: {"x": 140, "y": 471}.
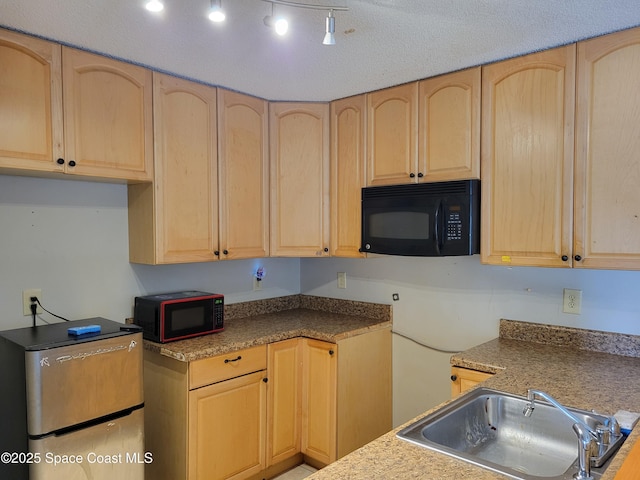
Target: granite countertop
{"x": 545, "y": 358}
{"x": 261, "y": 322}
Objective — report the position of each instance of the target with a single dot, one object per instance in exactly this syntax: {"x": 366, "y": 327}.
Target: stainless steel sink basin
{"x": 488, "y": 428}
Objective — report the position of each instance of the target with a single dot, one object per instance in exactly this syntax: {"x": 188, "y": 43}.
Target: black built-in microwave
{"x": 424, "y": 219}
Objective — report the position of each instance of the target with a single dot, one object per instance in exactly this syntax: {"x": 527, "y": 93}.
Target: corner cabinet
{"x": 243, "y": 160}
{"x": 527, "y": 159}
{"x": 299, "y": 134}
{"x": 257, "y": 412}
{"x": 392, "y": 136}
{"x": 346, "y": 399}
{"x": 449, "y": 126}
{"x": 175, "y": 219}
{"x": 347, "y": 174}
{"x": 607, "y": 175}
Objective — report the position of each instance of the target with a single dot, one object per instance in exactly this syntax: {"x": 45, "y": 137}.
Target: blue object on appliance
{"x": 76, "y": 331}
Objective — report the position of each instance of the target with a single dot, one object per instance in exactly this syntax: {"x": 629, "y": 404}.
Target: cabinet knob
{"x": 265, "y": 380}
{"x": 60, "y": 161}
{"x": 454, "y": 378}
{"x": 577, "y": 258}
{"x": 565, "y": 258}
{"x": 226, "y": 252}
{"x": 331, "y": 352}
{"x": 72, "y": 163}
{"x": 326, "y": 249}
{"x": 420, "y": 174}
{"x": 412, "y": 175}
{"x": 216, "y": 253}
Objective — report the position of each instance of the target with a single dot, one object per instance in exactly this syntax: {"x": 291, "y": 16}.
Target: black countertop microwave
{"x": 424, "y": 219}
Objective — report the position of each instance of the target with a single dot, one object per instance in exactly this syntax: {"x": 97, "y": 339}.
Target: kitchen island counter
{"x": 578, "y": 378}
{"x": 266, "y": 321}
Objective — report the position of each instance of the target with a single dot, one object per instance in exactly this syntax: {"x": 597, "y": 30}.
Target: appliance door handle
{"x": 437, "y": 227}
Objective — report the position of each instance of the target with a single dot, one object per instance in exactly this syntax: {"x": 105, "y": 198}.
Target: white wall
{"x": 454, "y": 303}
{"x": 69, "y": 239}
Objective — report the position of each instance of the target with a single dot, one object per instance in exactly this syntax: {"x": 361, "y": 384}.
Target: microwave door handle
{"x": 437, "y": 228}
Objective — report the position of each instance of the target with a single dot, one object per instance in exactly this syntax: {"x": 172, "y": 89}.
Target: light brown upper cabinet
{"x": 449, "y": 126}
{"x": 108, "y": 129}
{"x": 527, "y": 159}
{"x": 347, "y": 175}
{"x": 30, "y": 102}
{"x": 73, "y": 112}
{"x": 243, "y": 159}
{"x": 392, "y": 136}
{"x": 175, "y": 219}
{"x": 607, "y": 175}
{"x": 299, "y": 134}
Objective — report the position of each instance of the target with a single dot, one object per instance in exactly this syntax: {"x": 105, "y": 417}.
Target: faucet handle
{"x": 604, "y": 434}
{"x": 612, "y": 424}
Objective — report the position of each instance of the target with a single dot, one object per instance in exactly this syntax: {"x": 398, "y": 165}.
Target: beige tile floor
{"x": 298, "y": 473}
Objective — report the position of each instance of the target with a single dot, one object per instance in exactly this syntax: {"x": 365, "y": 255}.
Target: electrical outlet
{"x": 571, "y": 301}
{"x": 342, "y": 279}
{"x": 257, "y": 284}
{"x": 26, "y": 300}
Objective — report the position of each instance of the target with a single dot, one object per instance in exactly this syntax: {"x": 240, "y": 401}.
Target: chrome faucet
{"x": 590, "y": 441}
{"x": 528, "y": 410}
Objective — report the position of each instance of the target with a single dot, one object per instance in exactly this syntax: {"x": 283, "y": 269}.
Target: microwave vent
{"x": 464, "y": 187}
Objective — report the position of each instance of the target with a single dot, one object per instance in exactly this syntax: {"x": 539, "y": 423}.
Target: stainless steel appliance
{"x": 72, "y": 404}
{"x": 166, "y": 317}
{"x": 426, "y": 219}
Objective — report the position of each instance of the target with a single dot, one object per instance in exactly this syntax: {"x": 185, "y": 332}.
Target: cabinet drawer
{"x": 223, "y": 367}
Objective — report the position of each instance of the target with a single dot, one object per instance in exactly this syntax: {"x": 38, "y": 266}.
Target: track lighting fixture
{"x": 330, "y": 29}
{"x": 216, "y": 14}
{"x": 279, "y": 24}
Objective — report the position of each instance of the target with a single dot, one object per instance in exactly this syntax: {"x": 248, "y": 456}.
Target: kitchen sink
{"x": 490, "y": 429}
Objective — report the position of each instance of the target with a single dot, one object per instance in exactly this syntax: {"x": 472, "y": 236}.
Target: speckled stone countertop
{"x": 577, "y": 377}
{"x": 260, "y": 322}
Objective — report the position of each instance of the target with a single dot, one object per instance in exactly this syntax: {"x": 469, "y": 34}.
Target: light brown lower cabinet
{"x": 255, "y": 413}
{"x": 462, "y": 379}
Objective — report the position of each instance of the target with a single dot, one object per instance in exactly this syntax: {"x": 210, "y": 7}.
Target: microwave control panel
{"x": 454, "y": 226}
{"x": 218, "y": 313}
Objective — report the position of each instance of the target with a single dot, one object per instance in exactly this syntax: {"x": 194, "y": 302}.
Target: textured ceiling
{"x": 379, "y": 43}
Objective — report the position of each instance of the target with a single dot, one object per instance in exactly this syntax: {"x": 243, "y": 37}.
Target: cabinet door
{"x": 462, "y": 379}
{"x": 319, "y": 400}
{"x": 527, "y": 159}
{"x": 449, "y": 126}
{"x": 284, "y": 400}
{"x": 299, "y": 179}
{"x": 244, "y": 175}
{"x": 607, "y": 197}
{"x": 392, "y": 135}
{"x": 107, "y": 117}
{"x": 364, "y": 395}
{"x": 227, "y": 428}
{"x": 30, "y": 102}
{"x": 177, "y": 221}
{"x": 347, "y": 175}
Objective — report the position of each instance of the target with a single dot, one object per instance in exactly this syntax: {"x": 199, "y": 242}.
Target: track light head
{"x": 216, "y": 14}
{"x": 154, "y": 5}
{"x": 330, "y": 29}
